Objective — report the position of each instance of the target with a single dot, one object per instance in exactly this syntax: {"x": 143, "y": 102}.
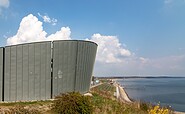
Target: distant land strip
{"x": 130, "y": 77}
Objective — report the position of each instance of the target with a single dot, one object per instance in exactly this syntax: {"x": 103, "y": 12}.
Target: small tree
{"x": 72, "y": 103}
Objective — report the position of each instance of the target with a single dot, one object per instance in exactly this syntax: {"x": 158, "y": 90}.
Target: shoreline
{"x": 121, "y": 94}
{"x": 125, "y": 97}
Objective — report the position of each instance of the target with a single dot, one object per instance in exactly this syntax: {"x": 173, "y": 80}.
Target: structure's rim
{"x": 49, "y": 41}
{"x": 28, "y": 43}
{"x": 77, "y": 41}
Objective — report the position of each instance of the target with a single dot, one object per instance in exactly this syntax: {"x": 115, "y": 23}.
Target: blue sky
{"x": 148, "y": 35}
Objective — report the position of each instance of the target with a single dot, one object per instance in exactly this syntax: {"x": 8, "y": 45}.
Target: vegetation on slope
{"x": 103, "y": 95}
{"x": 35, "y": 107}
{"x": 102, "y": 101}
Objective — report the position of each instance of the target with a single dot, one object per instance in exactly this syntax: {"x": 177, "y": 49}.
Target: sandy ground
{"x": 121, "y": 94}
{"x": 179, "y": 112}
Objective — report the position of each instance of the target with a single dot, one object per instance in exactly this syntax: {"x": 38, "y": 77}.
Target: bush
{"x": 72, "y": 103}
{"x": 144, "y": 106}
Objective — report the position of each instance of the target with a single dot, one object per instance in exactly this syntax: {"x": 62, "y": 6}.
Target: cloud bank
{"x": 63, "y": 34}
{"x": 110, "y": 50}
{"x": 113, "y": 57}
{"x": 31, "y": 30}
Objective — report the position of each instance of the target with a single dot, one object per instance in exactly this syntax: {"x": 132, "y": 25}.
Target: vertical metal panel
{"x": 85, "y": 62}
{"x": 68, "y": 65}
{"x": 37, "y": 66}
{"x": 47, "y": 69}
{"x": 7, "y": 75}
{"x": 64, "y": 63}
{"x": 43, "y": 71}
{"x": 80, "y": 68}
{"x": 13, "y": 74}
{"x": 55, "y": 69}
{"x": 73, "y": 63}
{"x": 25, "y": 72}
{"x": 19, "y": 73}
{"x": 1, "y": 72}
{"x": 92, "y": 57}
{"x": 31, "y": 79}
{"x": 40, "y": 71}
{"x": 28, "y": 72}
{"x": 28, "y": 69}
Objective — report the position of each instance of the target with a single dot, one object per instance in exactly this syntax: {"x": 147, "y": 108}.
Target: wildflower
{"x": 158, "y": 110}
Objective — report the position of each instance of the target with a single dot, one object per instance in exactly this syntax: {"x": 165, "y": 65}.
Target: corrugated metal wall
{"x": 27, "y": 69}
{"x": 64, "y": 63}
{"x": 1, "y": 73}
{"x": 28, "y": 72}
{"x": 73, "y": 63}
{"x": 84, "y": 68}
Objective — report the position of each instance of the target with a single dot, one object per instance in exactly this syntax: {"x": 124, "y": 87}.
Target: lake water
{"x": 166, "y": 91}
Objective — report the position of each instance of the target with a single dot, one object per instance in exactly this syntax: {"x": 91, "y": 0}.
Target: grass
{"x": 104, "y": 105}
{"x": 34, "y": 107}
{"x": 103, "y": 102}
{"x": 107, "y": 90}
{"x": 26, "y": 103}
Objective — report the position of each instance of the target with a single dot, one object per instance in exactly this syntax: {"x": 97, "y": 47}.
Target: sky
{"x": 134, "y": 37}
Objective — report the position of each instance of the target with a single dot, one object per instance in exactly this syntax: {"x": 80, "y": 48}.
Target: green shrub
{"x": 144, "y": 106}
{"x": 72, "y": 103}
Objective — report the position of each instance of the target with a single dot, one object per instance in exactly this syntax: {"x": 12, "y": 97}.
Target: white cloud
{"x": 31, "y": 30}
{"x": 4, "y": 3}
{"x": 47, "y": 19}
{"x": 169, "y": 65}
{"x": 168, "y": 1}
{"x": 64, "y": 33}
{"x": 174, "y": 3}
{"x": 112, "y": 57}
{"x": 143, "y": 60}
{"x": 110, "y": 49}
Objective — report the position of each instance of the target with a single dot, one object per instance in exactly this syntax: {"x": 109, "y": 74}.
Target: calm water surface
{"x": 167, "y": 91}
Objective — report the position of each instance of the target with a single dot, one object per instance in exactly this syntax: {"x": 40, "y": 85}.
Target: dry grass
{"x": 104, "y": 102}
